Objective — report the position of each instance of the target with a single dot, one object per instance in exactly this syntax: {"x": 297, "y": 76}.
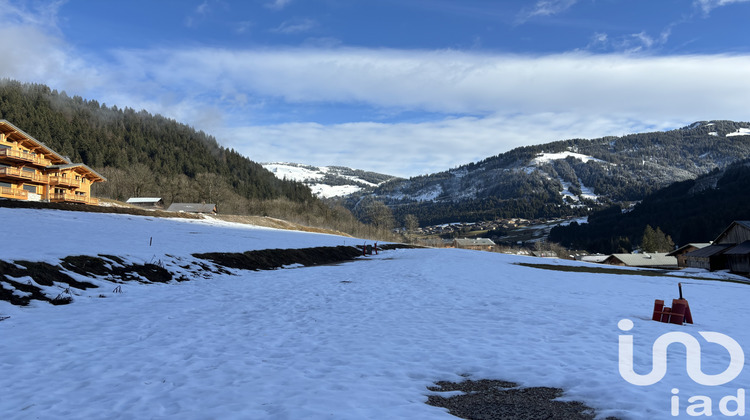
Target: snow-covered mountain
{"x": 334, "y": 341}
{"x": 328, "y": 181}
{"x": 567, "y": 177}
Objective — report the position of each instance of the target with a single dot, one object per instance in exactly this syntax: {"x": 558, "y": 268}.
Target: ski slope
{"x": 359, "y": 340}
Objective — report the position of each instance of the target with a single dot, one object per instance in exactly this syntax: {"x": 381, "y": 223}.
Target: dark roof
{"x": 741, "y": 249}
{"x": 192, "y": 207}
{"x": 709, "y": 251}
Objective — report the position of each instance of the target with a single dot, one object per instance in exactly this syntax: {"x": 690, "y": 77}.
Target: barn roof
{"x": 741, "y": 249}
{"x": 143, "y": 200}
{"x": 192, "y": 207}
{"x": 709, "y": 251}
{"x": 744, "y": 224}
{"x": 683, "y": 248}
{"x": 474, "y": 242}
{"x": 655, "y": 259}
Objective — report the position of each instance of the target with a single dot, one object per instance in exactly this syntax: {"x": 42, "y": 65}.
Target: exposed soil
{"x": 500, "y": 400}
{"x": 113, "y": 269}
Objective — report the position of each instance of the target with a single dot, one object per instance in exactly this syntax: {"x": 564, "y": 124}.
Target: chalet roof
{"x": 654, "y": 259}
{"x": 709, "y": 251}
{"x": 745, "y": 224}
{"x": 741, "y": 249}
{"x": 685, "y": 247}
{"x": 544, "y": 254}
{"x": 143, "y": 200}
{"x": 86, "y": 168}
{"x": 14, "y": 133}
{"x": 192, "y": 207}
{"x": 474, "y": 242}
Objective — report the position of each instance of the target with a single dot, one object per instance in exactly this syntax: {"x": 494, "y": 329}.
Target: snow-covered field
{"x": 359, "y": 340}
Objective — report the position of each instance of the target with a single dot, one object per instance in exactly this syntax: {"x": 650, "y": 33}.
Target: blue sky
{"x": 404, "y": 87}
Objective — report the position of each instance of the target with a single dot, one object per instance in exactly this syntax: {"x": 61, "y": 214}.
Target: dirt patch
{"x": 500, "y": 400}
{"x": 271, "y": 259}
{"x": 113, "y": 269}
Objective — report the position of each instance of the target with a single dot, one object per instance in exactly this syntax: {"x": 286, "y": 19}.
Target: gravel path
{"x": 500, "y": 400}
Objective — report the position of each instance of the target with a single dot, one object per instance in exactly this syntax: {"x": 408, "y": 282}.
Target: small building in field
{"x": 681, "y": 252}
{"x": 544, "y": 254}
{"x": 480, "y": 244}
{"x": 201, "y": 208}
{"x": 155, "y": 203}
{"x": 646, "y": 260}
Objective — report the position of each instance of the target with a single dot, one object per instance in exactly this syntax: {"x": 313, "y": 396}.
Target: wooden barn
{"x": 730, "y": 250}
{"x": 481, "y": 244}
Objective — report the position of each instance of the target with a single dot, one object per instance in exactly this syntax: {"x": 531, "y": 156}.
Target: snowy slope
{"x": 360, "y": 340}
{"x": 327, "y": 181}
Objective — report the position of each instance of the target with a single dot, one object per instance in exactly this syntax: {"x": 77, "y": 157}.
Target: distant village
{"x": 730, "y": 251}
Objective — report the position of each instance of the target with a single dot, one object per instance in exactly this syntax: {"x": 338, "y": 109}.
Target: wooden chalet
{"x": 481, "y": 244}
{"x": 681, "y": 252}
{"x": 146, "y": 202}
{"x": 29, "y": 170}
{"x": 729, "y": 251}
{"x": 645, "y": 260}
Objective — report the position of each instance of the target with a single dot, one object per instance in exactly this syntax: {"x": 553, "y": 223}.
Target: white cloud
{"x": 707, "y": 5}
{"x": 410, "y": 149}
{"x": 455, "y": 82}
{"x": 481, "y": 104}
{"x": 295, "y": 26}
{"x": 546, "y": 8}
{"x": 278, "y": 4}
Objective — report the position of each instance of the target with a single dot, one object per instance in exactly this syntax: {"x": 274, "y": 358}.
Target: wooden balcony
{"x": 56, "y": 180}
{"x": 13, "y": 193}
{"x": 17, "y": 173}
{"x": 19, "y": 156}
{"x": 73, "y": 198}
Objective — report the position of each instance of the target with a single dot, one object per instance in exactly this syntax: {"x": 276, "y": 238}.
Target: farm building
{"x": 193, "y": 208}
{"x": 681, "y": 252}
{"x": 481, "y": 244}
{"x": 650, "y": 260}
{"x": 147, "y": 202}
{"x": 730, "y": 251}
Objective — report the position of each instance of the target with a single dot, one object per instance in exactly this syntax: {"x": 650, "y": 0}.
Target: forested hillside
{"x": 569, "y": 177}
{"x": 689, "y": 211}
{"x": 140, "y": 153}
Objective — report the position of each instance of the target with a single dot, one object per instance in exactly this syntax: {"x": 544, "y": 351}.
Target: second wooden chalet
{"x": 29, "y": 170}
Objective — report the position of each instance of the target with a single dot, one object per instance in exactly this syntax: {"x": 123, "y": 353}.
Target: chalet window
{"x": 31, "y": 170}
{"x": 59, "y": 191}
{"x": 30, "y": 188}
{"x": 4, "y": 146}
{"x": 5, "y": 184}
{"x": 2, "y": 165}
